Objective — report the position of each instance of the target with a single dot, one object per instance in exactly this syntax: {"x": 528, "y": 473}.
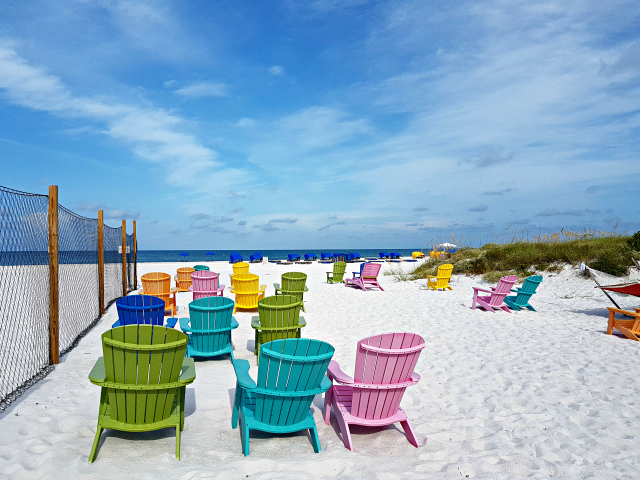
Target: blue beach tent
{"x": 255, "y": 257}
{"x": 325, "y": 256}
{"x": 310, "y": 256}
{"x": 385, "y": 254}
{"x": 294, "y": 257}
{"x": 395, "y": 255}
{"x": 235, "y": 257}
{"x": 353, "y": 256}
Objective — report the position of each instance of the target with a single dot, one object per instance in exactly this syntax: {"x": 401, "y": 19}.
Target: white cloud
{"x": 245, "y": 122}
{"x": 276, "y": 70}
{"x": 204, "y": 89}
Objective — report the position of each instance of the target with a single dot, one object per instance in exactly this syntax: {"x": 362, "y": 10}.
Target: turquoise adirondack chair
{"x": 209, "y": 327}
{"x": 293, "y": 283}
{"x": 291, "y": 373}
{"x": 521, "y": 299}
{"x": 143, "y": 375}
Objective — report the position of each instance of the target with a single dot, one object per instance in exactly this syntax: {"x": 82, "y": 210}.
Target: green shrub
{"x": 613, "y": 262}
{"x": 634, "y": 242}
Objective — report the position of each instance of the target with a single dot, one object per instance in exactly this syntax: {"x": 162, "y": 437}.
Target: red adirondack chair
{"x": 205, "y": 284}
{"x": 497, "y": 294}
{"x": 368, "y": 277}
{"x": 384, "y": 370}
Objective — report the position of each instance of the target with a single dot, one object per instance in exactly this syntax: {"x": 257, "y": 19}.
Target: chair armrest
{"x": 171, "y": 322}
{"x": 624, "y": 312}
{"x": 231, "y": 289}
{"x": 431, "y": 276}
{"x": 141, "y": 292}
{"x": 637, "y": 310}
{"x": 262, "y": 288}
{"x": 98, "y": 374}
{"x": 175, "y": 277}
{"x": 306, "y": 289}
{"x": 184, "y": 325}
{"x": 190, "y": 289}
{"x": 335, "y": 373}
{"x": 302, "y": 322}
{"x": 277, "y": 286}
{"x": 173, "y": 290}
{"x": 325, "y": 384}
{"x": 221, "y": 288}
{"x": 255, "y": 322}
{"x": 116, "y": 324}
{"x": 478, "y": 289}
{"x": 241, "y": 368}
{"x": 329, "y": 273}
{"x": 188, "y": 373}
{"x": 234, "y": 323}
{"x": 415, "y": 377}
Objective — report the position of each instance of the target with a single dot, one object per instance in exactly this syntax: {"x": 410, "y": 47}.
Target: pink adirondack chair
{"x": 368, "y": 277}
{"x": 384, "y": 370}
{"x": 205, "y": 284}
{"x": 497, "y": 294}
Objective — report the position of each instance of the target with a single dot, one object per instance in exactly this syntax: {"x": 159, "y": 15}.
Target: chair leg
{"x": 183, "y": 391}
{"x": 96, "y": 441}
{"x": 610, "y": 325}
{"x": 344, "y": 429}
{"x": 408, "y": 430}
{"x": 327, "y": 406}
{"x": 244, "y": 436}
{"x": 315, "y": 440}
{"x": 178, "y": 442}
{"x": 236, "y": 407}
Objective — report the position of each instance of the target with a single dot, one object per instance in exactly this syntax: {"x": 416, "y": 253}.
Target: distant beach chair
{"x": 394, "y": 255}
{"x": 143, "y": 374}
{"x": 141, "y": 310}
{"x": 415, "y": 255}
{"x": 368, "y": 277}
{"x": 278, "y": 318}
{"x": 384, "y": 369}
{"x": 339, "y": 257}
{"x": 293, "y": 257}
{"x": 353, "y": 256}
{"x": 293, "y": 283}
{"x": 209, "y": 327}
{"x": 384, "y": 254}
{"x": 326, "y": 256}
{"x": 290, "y": 374}
{"x": 158, "y": 284}
{"x": 441, "y": 280}
{"x": 524, "y": 293}
{"x": 183, "y": 278}
{"x": 359, "y": 274}
{"x": 337, "y": 276}
{"x": 205, "y": 284}
{"x": 240, "y": 267}
{"x": 495, "y": 299}
{"x": 235, "y": 257}
{"x": 255, "y": 257}
{"x": 310, "y": 256}
{"x": 247, "y": 291}
{"x": 199, "y": 268}
{"x": 630, "y": 328}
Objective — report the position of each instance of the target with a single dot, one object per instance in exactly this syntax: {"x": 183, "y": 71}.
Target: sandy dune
{"x": 527, "y": 394}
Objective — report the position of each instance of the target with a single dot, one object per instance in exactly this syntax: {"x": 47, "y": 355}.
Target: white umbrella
{"x": 446, "y": 245}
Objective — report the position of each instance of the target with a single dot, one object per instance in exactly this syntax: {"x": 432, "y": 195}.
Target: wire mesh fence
{"x": 24, "y": 285}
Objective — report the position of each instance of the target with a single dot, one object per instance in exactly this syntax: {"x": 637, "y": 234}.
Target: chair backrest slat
{"x": 140, "y": 309}
{"x": 502, "y": 289}
{"x": 370, "y": 270}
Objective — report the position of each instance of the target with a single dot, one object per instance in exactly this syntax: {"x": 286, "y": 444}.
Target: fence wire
{"x": 24, "y": 285}
{"x": 24, "y": 292}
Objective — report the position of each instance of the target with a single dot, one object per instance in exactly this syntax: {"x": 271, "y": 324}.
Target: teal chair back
{"x": 289, "y": 376}
{"x": 210, "y": 323}
{"x": 528, "y": 288}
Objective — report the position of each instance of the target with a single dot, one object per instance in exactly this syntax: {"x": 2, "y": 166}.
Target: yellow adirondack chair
{"x": 247, "y": 290}
{"x": 441, "y": 280}
{"x": 240, "y": 267}
{"x": 629, "y": 328}
{"x": 183, "y": 278}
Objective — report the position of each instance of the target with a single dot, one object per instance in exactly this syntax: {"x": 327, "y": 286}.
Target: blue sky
{"x": 325, "y": 124}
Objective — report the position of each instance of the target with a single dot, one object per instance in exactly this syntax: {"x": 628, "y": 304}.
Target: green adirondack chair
{"x": 293, "y": 283}
{"x": 209, "y": 327}
{"x": 337, "y": 276}
{"x": 143, "y": 375}
{"x": 278, "y": 318}
{"x": 524, "y": 293}
{"x": 291, "y": 373}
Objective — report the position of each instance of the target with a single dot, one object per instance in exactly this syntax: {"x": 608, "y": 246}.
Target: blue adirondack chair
{"x": 209, "y": 327}
{"x": 235, "y": 257}
{"x": 293, "y": 257}
{"x": 359, "y": 274}
{"x": 521, "y": 299}
{"x": 141, "y": 310}
{"x": 310, "y": 256}
{"x": 385, "y": 254}
{"x": 255, "y": 257}
{"x": 291, "y": 373}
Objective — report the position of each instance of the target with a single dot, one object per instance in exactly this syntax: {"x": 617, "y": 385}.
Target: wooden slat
{"x": 54, "y": 332}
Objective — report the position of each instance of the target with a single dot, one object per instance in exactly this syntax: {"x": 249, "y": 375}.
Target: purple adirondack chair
{"x": 368, "y": 277}
{"x": 384, "y": 370}
{"x": 205, "y": 284}
{"x": 497, "y": 294}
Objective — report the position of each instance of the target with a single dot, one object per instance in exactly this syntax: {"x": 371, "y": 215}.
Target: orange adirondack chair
{"x": 441, "y": 280}
{"x": 240, "y": 267}
{"x": 629, "y": 328}
{"x": 183, "y": 278}
{"x": 158, "y": 284}
{"x": 247, "y": 290}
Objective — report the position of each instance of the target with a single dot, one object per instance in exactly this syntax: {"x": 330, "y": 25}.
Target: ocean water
{"x": 223, "y": 255}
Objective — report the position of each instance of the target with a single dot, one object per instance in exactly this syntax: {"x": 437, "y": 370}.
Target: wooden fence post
{"x": 54, "y": 333}
{"x": 124, "y": 258}
{"x": 135, "y": 257}
{"x": 101, "y": 260}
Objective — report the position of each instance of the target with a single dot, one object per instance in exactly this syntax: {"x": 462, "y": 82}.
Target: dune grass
{"x": 605, "y": 251}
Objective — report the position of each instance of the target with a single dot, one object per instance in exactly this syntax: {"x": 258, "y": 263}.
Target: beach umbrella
{"x": 183, "y": 254}
{"x": 446, "y": 245}
{"x": 210, "y": 253}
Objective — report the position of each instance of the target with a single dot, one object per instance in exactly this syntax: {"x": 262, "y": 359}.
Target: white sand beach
{"x": 542, "y": 394}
